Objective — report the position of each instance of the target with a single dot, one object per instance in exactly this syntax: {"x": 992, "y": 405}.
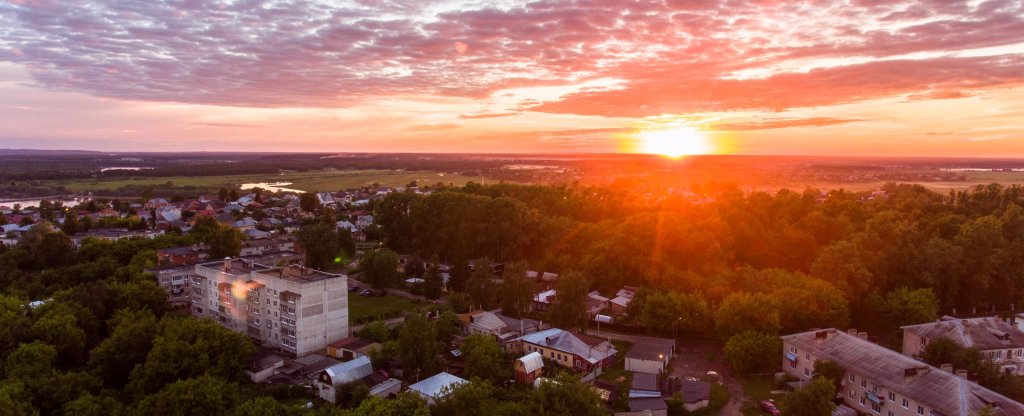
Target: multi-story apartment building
{"x": 880, "y": 381}
{"x": 297, "y": 309}
{"x": 998, "y": 340}
{"x": 175, "y": 281}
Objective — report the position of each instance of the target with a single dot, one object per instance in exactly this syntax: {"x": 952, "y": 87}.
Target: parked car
{"x": 366, "y": 292}
{"x": 769, "y": 407}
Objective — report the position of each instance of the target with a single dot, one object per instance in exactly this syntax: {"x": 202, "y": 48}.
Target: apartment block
{"x": 880, "y": 381}
{"x": 998, "y": 340}
{"x": 297, "y": 309}
{"x": 175, "y": 281}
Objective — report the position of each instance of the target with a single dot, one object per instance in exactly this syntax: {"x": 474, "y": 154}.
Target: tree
{"x": 484, "y": 358}
{"x": 480, "y": 286}
{"x": 752, "y": 351}
{"x": 225, "y": 241}
{"x": 417, "y": 347}
{"x": 566, "y": 395}
{"x": 187, "y": 348}
{"x": 60, "y": 329}
{"x": 941, "y": 351}
{"x": 570, "y": 306}
{"x": 131, "y": 338}
{"x": 908, "y": 307}
{"x": 233, "y": 194}
{"x": 432, "y": 281}
{"x": 379, "y": 268}
{"x": 665, "y": 311}
{"x": 320, "y": 242}
{"x": 204, "y": 395}
{"x": 516, "y": 291}
{"x": 346, "y": 242}
{"x": 89, "y": 405}
{"x": 814, "y": 399}
{"x": 459, "y": 276}
{"x": 71, "y": 224}
{"x": 15, "y": 399}
{"x": 747, "y": 311}
{"x": 351, "y": 394}
{"x": 264, "y": 406}
{"x": 14, "y": 324}
{"x": 377, "y": 331}
{"x": 460, "y": 302}
{"x": 31, "y": 361}
{"x": 309, "y": 202}
{"x": 467, "y": 399}
{"x": 223, "y": 194}
{"x": 831, "y": 371}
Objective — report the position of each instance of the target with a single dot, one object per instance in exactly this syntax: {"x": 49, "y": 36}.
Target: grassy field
{"x": 320, "y": 180}
{"x": 361, "y": 308}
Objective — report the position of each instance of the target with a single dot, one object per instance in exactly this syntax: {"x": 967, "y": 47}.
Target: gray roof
{"x": 565, "y": 341}
{"x": 944, "y": 392}
{"x": 644, "y": 381}
{"x": 349, "y": 371}
{"x": 647, "y": 403}
{"x": 654, "y": 349}
{"x": 436, "y": 384}
{"x": 985, "y": 334}
{"x": 694, "y": 391}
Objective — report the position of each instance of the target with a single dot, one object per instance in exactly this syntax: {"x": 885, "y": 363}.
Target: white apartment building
{"x": 297, "y": 309}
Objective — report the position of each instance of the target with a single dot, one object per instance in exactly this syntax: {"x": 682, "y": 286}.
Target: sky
{"x": 850, "y": 77}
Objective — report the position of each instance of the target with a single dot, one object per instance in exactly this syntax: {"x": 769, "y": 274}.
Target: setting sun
{"x": 675, "y": 142}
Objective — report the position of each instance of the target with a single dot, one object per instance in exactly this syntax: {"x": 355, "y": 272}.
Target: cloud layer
{"x": 669, "y": 57}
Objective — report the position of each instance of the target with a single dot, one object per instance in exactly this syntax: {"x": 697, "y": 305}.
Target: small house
{"x": 528, "y": 368}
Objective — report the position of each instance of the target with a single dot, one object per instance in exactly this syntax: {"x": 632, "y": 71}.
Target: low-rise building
{"x": 582, "y": 353}
{"x": 436, "y": 387}
{"x": 269, "y": 245}
{"x": 176, "y": 256}
{"x": 998, "y": 340}
{"x": 297, "y": 309}
{"x": 650, "y": 355}
{"x": 528, "y": 367}
{"x": 351, "y": 348}
{"x": 884, "y": 382}
{"x": 360, "y": 370}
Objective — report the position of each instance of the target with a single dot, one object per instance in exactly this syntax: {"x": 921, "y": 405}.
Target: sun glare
{"x": 675, "y": 142}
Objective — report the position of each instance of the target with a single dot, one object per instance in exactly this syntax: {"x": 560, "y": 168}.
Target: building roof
{"x": 989, "y": 333}
{"x": 349, "y": 371}
{"x": 944, "y": 392}
{"x": 647, "y": 403}
{"x": 487, "y": 320}
{"x": 621, "y": 301}
{"x": 435, "y": 385}
{"x": 651, "y": 349}
{"x": 693, "y": 391}
{"x": 545, "y": 296}
{"x": 352, "y": 343}
{"x": 568, "y": 342}
{"x": 532, "y": 361}
{"x": 644, "y": 381}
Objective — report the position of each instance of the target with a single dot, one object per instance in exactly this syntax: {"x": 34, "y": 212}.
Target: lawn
{"x": 618, "y": 368}
{"x": 371, "y": 308}
{"x": 318, "y": 180}
{"x": 757, "y": 388}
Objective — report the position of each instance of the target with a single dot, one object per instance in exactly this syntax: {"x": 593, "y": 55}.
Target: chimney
{"x": 227, "y": 263}
{"x": 852, "y": 331}
{"x": 947, "y": 368}
{"x": 962, "y": 373}
{"x": 547, "y": 340}
{"x": 912, "y": 373}
{"x": 862, "y": 335}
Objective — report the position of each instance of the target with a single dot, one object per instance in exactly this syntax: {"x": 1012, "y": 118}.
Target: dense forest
{"x": 967, "y": 246}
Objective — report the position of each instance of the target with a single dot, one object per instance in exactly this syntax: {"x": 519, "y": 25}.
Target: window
{"x": 792, "y": 350}
{"x": 876, "y": 408}
{"x": 906, "y": 404}
{"x": 792, "y": 364}
{"x": 892, "y": 396}
{"x": 890, "y": 413}
{"x": 807, "y": 356}
{"x": 920, "y": 410}
{"x": 850, "y": 395}
{"x": 862, "y": 401}
{"x": 807, "y": 372}
{"x": 852, "y": 377}
{"x": 864, "y": 383}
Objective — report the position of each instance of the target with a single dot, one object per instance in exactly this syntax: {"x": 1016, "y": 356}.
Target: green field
{"x": 319, "y": 180}
{"x": 361, "y": 308}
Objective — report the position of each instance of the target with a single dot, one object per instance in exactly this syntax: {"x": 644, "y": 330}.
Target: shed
{"x": 529, "y": 367}
{"x": 655, "y": 405}
{"x": 695, "y": 394}
{"x": 650, "y": 355}
{"x": 436, "y": 386}
{"x": 339, "y": 374}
